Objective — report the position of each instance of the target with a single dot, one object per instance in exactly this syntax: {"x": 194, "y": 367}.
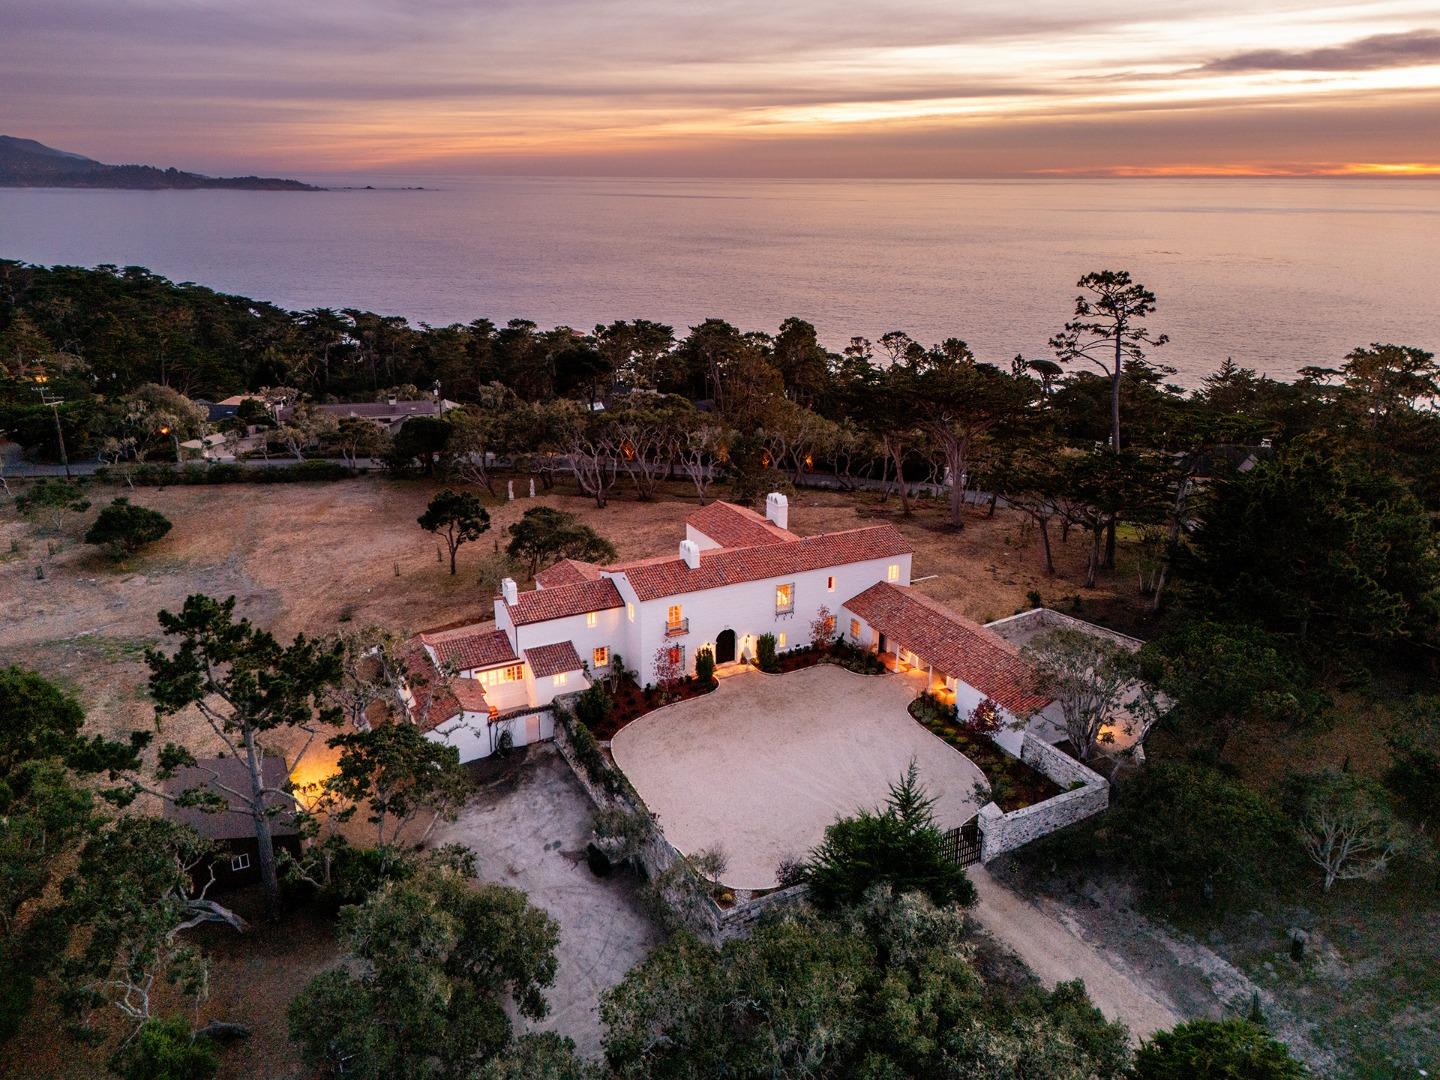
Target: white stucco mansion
{"x": 736, "y": 575}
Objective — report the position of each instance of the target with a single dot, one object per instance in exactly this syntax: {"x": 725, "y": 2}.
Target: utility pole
{"x": 54, "y": 404}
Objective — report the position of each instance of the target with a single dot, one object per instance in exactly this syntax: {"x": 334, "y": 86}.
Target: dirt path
{"x": 1051, "y": 945}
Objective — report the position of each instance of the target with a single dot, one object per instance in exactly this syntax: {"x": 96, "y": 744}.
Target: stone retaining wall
{"x": 657, "y": 856}
{"x": 1000, "y": 832}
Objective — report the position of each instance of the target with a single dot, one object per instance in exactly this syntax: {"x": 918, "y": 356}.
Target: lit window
{"x": 785, "y": 597}
{"x": 560, "y": 680}
{"x": 893, "y": 573}
{"x": 591, "y": 618}
{"x": 630, "y": 612}
{"x": 855, "y": 629}
{"x": 829, "y": 625}
{"x": 830, "y": 583}
{"x": 496, "y": 676}
{"x": 240, "y": 862}
{"x": 601, "y": 657}
{"x": 780, "y": 641}
{"x": 674, "y": 615}
{"x": 677, "y": 655}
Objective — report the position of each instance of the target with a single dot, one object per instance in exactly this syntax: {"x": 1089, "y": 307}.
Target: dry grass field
{"x": 311, "y": 558}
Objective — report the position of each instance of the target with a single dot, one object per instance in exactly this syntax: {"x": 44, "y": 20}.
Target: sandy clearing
{"x": 761, "y": 766}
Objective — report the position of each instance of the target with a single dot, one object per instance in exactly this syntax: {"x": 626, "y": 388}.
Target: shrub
{"x": 593, "y": 706}
{"x": 165, "y": 1049}
{"x": 984, "y": 719}
{"x": 1414, "y": 773}
{"x": 790, "y": 872}
{"x": 1216, "y": 1050}
{"x": 1192, "y": 835}
{"x": 765, "y": 652}
{"x": 125, "y": 529}
{"x": 152, "y": 475}
{"x": 705, "y": 666}
{"x": 899, "y": 846}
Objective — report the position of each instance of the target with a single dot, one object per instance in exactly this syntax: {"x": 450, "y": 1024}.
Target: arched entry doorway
{"x": 725, "y": 647}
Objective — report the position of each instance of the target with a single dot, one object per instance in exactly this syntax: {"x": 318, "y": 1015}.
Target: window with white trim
{"x": 855, "y": 629}
{"x": 240, "y": 862}
{"x": 591, "y": 619}
{"x": 630, "y": 611}
{"x": 560, "y": 680}
{"x": 892, "y": 572}
{"x": 830, "y": 583}
{"x": 785, "y": 597}
{"x": 780, "y": 640}
{"x": 601, "y": 656}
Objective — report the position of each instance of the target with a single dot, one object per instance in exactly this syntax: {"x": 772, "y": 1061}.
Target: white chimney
{"x": 509, "y": 590}
{"x": 777, "y": 509}
{"x": 690, "y": 552}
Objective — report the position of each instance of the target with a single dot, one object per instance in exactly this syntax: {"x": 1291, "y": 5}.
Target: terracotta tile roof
{"x": 432, "y": 702}
{"x": 538, "y": 605}
{"x": 656, "y": 578}
{"x": 953, "y": 644}
{"x": 567, "y": 572}
{"x": 469, "y": 647}
{"x": 547, "y": 660}
{"x": 734, "y": 526}
{"x": 470, "y": 694}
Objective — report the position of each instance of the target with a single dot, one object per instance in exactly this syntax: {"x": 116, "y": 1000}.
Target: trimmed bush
{"x": 765, "y": 652}
{"x": 705, "y": 667}
{"x": 125, "y": 528}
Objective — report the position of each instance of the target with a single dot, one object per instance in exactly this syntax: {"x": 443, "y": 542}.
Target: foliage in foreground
{"x": 884, "y": 990}
{"x": 435, "y": 961}
{"x": 1216, "y": 1050}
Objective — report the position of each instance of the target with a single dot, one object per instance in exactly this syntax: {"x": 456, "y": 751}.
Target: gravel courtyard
{"x": 761, "y": 766}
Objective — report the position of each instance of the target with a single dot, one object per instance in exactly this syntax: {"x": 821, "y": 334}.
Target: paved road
{"x": 1052, "y": 947}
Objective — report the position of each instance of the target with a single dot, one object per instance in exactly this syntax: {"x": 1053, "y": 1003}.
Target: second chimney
{"x": 777, "y": 509}
{"x": 690, "y": 552}
{"x": 509, "y": 590}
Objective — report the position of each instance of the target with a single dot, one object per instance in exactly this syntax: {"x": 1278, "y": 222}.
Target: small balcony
{"x": 677, "y": 629}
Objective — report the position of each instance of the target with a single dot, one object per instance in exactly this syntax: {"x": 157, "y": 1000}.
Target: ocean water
{"x": 1276, "y": 274}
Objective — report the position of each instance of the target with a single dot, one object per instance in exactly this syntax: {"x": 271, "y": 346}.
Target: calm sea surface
{"x": 1277, "y": 274}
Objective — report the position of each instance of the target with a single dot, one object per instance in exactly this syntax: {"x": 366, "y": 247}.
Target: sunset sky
{"x": 927, "y": 88}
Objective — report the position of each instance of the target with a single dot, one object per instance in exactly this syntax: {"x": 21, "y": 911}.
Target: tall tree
{"x": 1108, "y": 330}
{"x": 254, "y": 694}
{"x": 545, "y": 534}
{"x": 457, "y": 517}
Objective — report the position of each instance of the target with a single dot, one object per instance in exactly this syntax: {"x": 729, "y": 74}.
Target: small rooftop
{"x": 219, "y": 773}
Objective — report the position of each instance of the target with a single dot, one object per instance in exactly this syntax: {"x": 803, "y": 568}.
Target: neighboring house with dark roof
{"x": 232, "y": 830}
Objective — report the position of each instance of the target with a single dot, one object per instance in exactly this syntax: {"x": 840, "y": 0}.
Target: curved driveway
{"x": 761, "y": 766}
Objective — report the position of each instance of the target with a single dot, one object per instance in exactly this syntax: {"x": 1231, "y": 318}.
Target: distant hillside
{"x": 27, "y": 163}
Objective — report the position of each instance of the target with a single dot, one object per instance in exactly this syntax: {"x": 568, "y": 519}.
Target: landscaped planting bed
{"x": 628, "y": 701}
{"x": 1014, "y": 785}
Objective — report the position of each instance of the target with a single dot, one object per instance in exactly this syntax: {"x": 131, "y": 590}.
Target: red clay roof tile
{"x": 733, "y": 526}
{"x": 953, "y": 644}
{"x": 656, "y": 578}
{"x": 567, "y": 572}
{"x": 469, "y": 647}
{"x": 547, "y": 660}
{"x": 540, "y": 605}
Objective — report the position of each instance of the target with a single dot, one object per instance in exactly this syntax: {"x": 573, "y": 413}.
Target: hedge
{"x": 152, "y": 475}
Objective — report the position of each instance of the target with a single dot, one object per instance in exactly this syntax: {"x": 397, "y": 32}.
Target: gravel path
{"x": 761, "y": 766}
{"x": 1052, "y": 947}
